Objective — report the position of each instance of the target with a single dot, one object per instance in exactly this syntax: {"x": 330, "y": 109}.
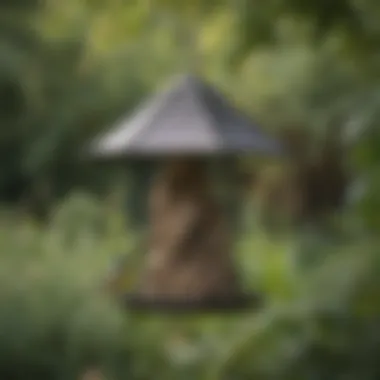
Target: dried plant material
{"x": 190, "y": 247}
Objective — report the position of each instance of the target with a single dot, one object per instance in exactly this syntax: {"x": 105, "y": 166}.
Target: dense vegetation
{"x": 67, "y": 70}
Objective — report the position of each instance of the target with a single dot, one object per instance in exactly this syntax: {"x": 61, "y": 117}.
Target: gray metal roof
{"x": 187, "y": 117}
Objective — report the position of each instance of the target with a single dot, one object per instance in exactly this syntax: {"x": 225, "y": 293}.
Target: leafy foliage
{"x": 319, "y": 320}
{"x": 67, "y": 71}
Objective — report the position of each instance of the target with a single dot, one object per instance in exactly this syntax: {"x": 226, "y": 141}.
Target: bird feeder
{"x": 189, "y": 260}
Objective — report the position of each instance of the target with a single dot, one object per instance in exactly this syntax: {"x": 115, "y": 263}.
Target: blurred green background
{"x": 69, "y": 69}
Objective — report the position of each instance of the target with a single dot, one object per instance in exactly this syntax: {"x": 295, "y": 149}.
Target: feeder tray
{"x": 215, "y": 304}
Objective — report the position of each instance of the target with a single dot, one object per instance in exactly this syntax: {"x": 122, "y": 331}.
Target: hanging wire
{"x": 151, "y": 14}
{"x": 193, "y": 31}
{"x": 188, "y": 30}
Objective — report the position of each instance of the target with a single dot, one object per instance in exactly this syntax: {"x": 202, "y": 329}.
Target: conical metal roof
{"x": 187, "y": 117}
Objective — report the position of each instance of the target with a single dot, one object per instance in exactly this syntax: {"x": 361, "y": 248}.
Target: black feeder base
{"x": 245, "y": 302}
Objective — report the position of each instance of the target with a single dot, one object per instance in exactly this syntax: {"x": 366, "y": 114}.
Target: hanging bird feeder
{"x": 188, "y": 264}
